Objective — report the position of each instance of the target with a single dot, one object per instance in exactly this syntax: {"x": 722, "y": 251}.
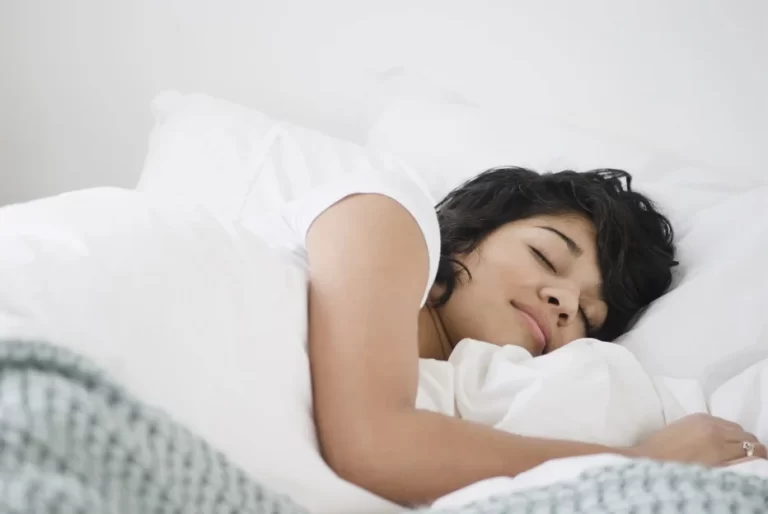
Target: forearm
{"x": 417, "y": 456}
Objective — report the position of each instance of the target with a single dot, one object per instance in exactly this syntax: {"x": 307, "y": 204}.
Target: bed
{"x": 181, "y": 338}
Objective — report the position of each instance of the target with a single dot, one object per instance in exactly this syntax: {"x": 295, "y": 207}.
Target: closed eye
{"x": 543, "y": 259}
{"x": 588, "y": 327}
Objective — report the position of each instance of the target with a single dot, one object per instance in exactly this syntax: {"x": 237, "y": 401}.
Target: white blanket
{"x": 589, "y": 390}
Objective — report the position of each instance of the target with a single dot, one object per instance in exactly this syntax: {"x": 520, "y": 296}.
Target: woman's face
{"x": 535, "y": 284}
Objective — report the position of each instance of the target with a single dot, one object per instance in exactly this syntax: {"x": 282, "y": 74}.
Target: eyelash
{"x": 546, "y": 262}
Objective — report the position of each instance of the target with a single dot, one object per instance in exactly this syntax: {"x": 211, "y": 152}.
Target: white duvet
{"x": 201, "y": 320}
{"x": 588, "y": 390}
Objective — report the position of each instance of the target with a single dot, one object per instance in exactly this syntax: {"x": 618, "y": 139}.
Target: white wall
{"x": 78, "y": 75}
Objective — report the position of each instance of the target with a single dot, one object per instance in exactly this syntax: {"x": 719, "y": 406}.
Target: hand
{"x": 741, "y": 461}
{"x": 699, "y": 438}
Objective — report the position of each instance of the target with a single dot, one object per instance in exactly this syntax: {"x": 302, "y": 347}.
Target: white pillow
{"x": 206, "y": 150}
{"x": 241, "y": 164}
{"x": 712, "y": 325}
{"x": 717, "y": 214}
{"x": 193, "y": 316}
{"x": 449, "y": 141}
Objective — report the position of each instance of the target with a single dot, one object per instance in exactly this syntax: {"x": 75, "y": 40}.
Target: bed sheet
{"x": 561, "y": 470}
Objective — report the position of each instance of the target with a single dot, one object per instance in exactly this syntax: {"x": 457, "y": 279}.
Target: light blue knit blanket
{"x": 74, "y": 441}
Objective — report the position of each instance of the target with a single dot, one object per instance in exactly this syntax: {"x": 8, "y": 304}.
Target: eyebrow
{"x": 574, "y": 248}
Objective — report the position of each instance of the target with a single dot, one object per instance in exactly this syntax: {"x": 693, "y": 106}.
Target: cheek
{"x": 481, "y": 311}
{"x": 512, "y": 274}
{"x": 479, "y": 308}
{"x": 498, "y": 276}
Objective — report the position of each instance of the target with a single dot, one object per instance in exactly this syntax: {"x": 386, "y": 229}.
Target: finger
{"x": 739, "y": 436}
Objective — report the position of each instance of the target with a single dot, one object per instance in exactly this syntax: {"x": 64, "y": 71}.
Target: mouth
{"x": 535, "y": 327}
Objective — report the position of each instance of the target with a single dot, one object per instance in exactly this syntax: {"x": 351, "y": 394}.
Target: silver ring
{"x": 749, "y": 448}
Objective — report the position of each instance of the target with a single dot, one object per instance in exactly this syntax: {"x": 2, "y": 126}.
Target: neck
{"x": 433, "y": 341}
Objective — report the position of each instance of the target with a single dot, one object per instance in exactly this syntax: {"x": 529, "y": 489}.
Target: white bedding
{"x": 506, "y": 388}
{"x": 588, "y": 390}
{"x": 193, "y": 316}
{"x": 173, "y": 293}
{"x": 168, "y": 301}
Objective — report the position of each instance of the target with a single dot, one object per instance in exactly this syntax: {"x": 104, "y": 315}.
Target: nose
{"x": 563, "y": 302}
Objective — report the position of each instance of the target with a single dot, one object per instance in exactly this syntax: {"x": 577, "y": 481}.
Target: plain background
{"x": 77, "y": 76}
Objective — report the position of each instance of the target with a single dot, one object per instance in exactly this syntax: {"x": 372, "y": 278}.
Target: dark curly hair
{"x": 635, "y": 242}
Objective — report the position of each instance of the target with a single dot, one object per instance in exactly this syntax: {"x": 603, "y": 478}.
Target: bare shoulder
{"x": 372, "y": 238}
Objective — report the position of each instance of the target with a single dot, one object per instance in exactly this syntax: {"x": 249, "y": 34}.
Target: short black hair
{"x": 635, "y": 242}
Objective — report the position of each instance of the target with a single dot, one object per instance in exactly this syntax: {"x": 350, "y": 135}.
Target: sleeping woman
{"x": 511, "y": 257}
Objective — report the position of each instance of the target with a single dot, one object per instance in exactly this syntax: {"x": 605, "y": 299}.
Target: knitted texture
{"x": 74, "y": 441}
{"x": 636, "y": 487}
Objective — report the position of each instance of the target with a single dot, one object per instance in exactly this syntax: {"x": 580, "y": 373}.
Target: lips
{"x": 535, "y": 328}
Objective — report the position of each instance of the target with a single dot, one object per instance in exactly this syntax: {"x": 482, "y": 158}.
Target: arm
{"x": 368, "y": 265}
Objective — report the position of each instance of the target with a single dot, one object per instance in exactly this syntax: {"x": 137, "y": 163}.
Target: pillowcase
{"x": 206, "y": 151}
{"x": 712, "y": 325}
{"x": 192, "y": 316}
{"x": 708, "y": 327}
{"x": 239, "y": 163}
{"x": 448, "y": 140}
